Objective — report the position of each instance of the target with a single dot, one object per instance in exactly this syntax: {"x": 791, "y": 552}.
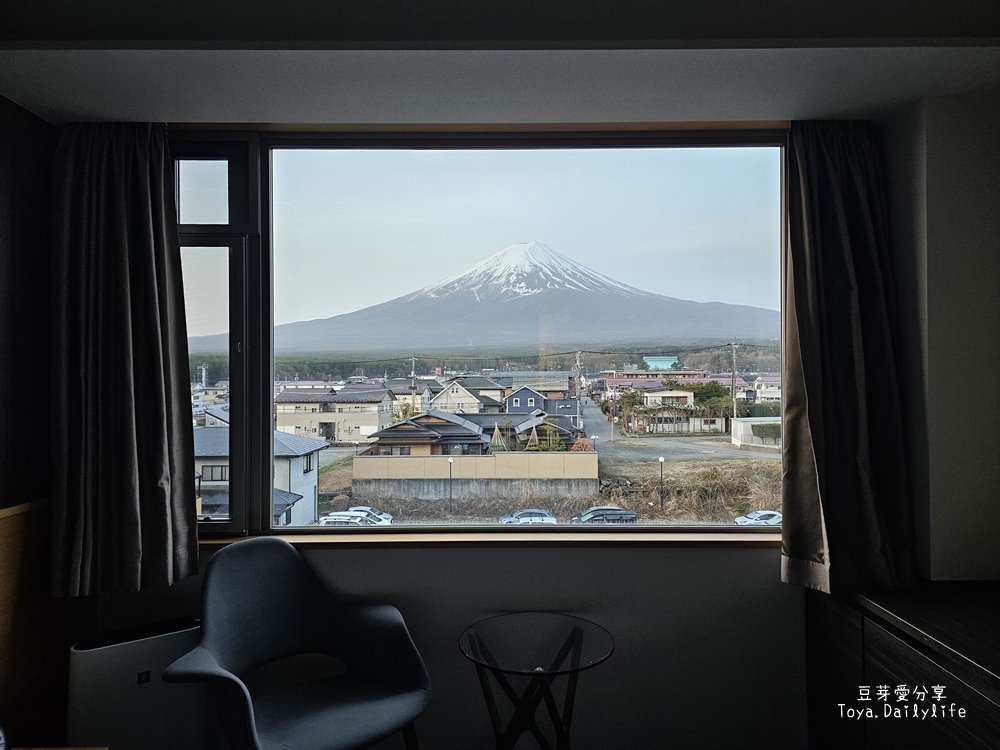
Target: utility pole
{"x": 579, "y": 392}
{"x": 734, "y": 343}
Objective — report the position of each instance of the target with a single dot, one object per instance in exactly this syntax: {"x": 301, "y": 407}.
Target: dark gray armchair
{"x": 289, "y": 667}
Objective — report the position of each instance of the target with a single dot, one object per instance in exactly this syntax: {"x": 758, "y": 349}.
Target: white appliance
{"x": 117, "y": 696}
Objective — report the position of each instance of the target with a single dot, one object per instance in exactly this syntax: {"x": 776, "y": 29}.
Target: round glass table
{"x": 540, "y": 646}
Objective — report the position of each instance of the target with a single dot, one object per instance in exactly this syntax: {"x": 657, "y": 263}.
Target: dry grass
{"x": 699, "y": 491}
{"x": 694, "y": 492}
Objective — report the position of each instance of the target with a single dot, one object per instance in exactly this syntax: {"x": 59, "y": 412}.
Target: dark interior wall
{"x": 26, "y": 145}
{"x": 904, "y": 140}
{"x": 963, "y": 318}
{"x": 31, "y": 670}
{"x": 513, "y": 23}
{"x": 944, "y": 185}
{"x": 709, "y": 645}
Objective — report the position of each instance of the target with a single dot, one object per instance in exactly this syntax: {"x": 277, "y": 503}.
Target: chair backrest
{"x": 260, "y": 602}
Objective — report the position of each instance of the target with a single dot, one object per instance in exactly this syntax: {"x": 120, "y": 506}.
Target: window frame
{"x": 248, "y": 443}
{"x": 250, "y": 200}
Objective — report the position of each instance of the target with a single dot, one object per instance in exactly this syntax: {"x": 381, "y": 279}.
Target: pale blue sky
{"x": 355, "y": 228}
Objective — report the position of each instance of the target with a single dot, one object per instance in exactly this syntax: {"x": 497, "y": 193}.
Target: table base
{"x": 538, "y": 689}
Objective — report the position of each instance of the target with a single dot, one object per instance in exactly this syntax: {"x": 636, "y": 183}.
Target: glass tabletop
{"x": 536, "y": 643}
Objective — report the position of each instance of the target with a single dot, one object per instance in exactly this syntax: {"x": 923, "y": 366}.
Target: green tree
{"x": 628, "y": 405}
{"x": 718, "y": 407}
{"x": 764, "y": 410}
{"x": 401, "y": 411}
{"x": 706, "y": 391}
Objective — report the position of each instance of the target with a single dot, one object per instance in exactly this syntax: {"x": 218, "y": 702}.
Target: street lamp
{"x": 661, "y": 482}
{"x": 451, "y": 461}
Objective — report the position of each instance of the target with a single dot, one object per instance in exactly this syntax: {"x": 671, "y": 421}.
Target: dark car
{"x": 604, "y": 514}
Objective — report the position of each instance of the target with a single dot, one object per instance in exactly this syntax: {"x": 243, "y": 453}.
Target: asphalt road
{"x": 672, "y": 448}
{"x": 333, "y": 454}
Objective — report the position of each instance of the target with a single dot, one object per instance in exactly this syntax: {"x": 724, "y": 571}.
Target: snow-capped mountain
{"x": 523, "y": 269}
{"x": 524, "y": 297}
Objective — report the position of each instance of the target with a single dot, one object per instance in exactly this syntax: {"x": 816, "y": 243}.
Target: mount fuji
{"x": 524, "y": 296}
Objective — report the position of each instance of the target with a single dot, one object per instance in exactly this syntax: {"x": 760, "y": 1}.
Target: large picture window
{"x": 587, "y": 328}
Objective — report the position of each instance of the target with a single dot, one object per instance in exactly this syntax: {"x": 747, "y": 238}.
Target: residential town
{"x": 520, "y": 426}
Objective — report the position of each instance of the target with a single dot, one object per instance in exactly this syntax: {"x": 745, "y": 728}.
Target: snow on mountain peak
{"x": 526, "y": 268}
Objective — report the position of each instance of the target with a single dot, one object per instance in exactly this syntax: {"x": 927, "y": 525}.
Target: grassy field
{"x": 693, "y": 492}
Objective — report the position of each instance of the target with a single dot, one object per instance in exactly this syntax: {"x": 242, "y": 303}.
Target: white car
{"x": 381, "y": 519}
{"x": 760, "y": 518}
{"x": 529, "y": 515}
{"x": 347, "y": 518}
{"x": 335, "y": 519}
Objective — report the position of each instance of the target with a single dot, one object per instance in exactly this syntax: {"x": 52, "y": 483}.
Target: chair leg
{"x": 410, "y": 737}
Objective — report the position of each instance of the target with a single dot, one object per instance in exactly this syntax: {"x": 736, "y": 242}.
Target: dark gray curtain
{"x": 123, "y": 506}
{"x": 846, "y": 501}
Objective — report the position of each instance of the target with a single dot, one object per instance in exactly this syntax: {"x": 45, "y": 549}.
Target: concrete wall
{"x": 514, "y": 475}
{"x": 521, "y": 491}
{"x": 511, "y": 465}
{"x": 943, "y": 159}
{"x": 742, "y": 431}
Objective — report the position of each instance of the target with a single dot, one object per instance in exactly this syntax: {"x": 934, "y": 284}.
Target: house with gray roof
{"x": 434, "y": 433}
{"x": 350, "y": 414}
{"x": 469, "y": 395}
{"x": 513, "y": 431}
{"x": 523, "y": 400}
{"x": 296, "y": 475}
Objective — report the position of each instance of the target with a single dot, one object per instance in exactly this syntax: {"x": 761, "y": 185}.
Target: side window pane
{"x": 206, "y": 296}
{"x": 204, "y": 191}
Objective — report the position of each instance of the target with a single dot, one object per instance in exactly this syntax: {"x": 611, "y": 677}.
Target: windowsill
{"x": 766, "y": 538}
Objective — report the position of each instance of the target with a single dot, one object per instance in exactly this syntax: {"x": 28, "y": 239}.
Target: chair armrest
{"x": 198, "y": 665}
{"x": 379, "y": 636}
{"x": 233, "y": 704}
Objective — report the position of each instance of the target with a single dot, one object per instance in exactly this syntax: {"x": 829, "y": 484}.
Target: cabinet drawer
{"x": 889, "y": 660}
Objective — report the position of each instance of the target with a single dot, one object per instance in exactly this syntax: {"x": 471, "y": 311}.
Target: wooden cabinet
{"x": 835, "y": 659}
{"x": 963, "y": 719}
{"x": 917, "y": 640}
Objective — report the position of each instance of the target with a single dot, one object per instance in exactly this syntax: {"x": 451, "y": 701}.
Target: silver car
{"x": 381, "y": 519}
{"x": 760, "y": 518}
{"x": 529, "y": 515}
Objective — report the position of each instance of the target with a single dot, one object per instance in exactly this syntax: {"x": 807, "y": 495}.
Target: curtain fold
{"x": 845, "y": 490}
{"x": 123, "y": 505}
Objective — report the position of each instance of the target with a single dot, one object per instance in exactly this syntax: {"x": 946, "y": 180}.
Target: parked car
{"x": 347, "y": 518}
{"x": 335, "y": 520}
{"x": 380, "y": 518}
{"x": 760, "y": 518}
{"x": 529, "y": 515}
{"x": 604, "y": 514}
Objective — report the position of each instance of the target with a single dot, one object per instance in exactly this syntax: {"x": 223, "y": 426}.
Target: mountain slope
{"x": 525, "y": 296}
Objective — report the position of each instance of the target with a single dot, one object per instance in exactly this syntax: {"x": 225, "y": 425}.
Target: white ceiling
{"x": 486, "y": 86}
